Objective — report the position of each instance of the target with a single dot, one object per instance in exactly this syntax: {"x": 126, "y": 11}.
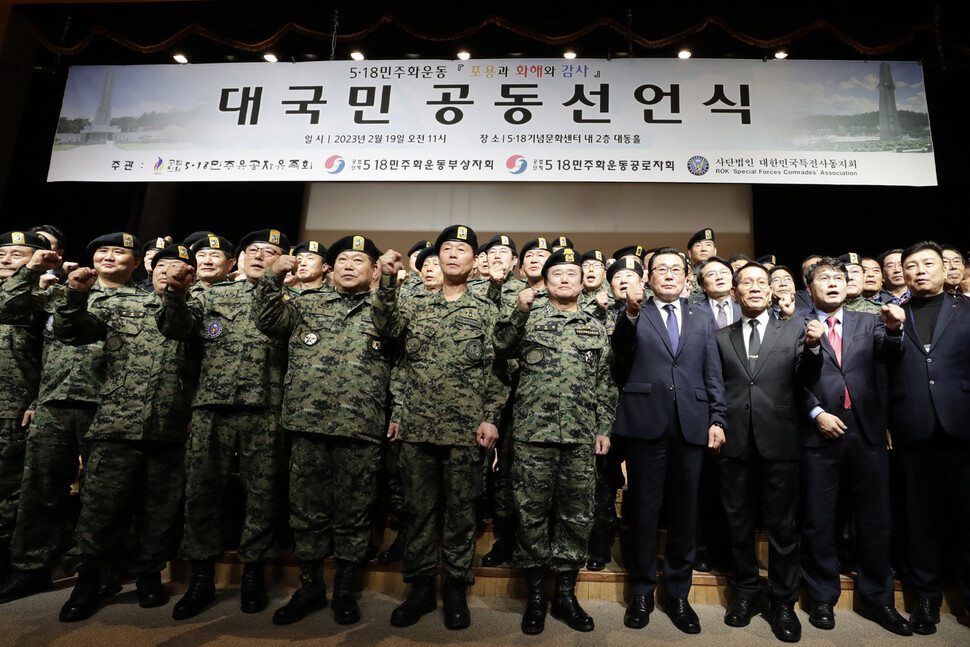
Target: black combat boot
{"x": 311, "y": 596}
{"x": 600, "y": 550}
{"x": 201, "y": 591}
{"x": 345, "y": 608}
{"x": 85, "y": 599}
{"x": 6, "y": 571}
{"x": 253, "y": 598}
{"x": 395, "y": 552}
{"x": 422, "y": 599}
{"x": 25, "y": 583}
{"x": 151, "y": 593}
{"x": 108, "y": 584}
{"x": 566, "y": 607}
{"x": 503, "y": 548}
{"x": 534, "y": 619}
{"x": 455, "y": 605}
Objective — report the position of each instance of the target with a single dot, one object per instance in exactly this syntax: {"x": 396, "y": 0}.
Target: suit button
{"x": 675, "y": 366}
{"x": 929, "y": 360}
{"x": 752, "y": 383}
{"x": 932, "y": 382}
{"x": 745, "y": 406}
{"x": 672, "y": 386}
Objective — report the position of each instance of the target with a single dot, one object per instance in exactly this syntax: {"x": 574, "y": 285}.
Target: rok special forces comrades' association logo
{"x": 698, "y": 165}
{"x": 213, "y": 329}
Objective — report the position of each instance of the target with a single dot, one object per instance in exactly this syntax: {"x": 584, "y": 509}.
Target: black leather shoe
{"x": 455, "y": 605}
{"x": 421, "y": 600}
{"x": 702, "y": 560}
{"x": 888, "y": 618}
{"x": 108, "y": 584}
{"x": 566, "y": 607}
{"x": 740, "y": 612}
{"x": 822, "y": 616}
{"x": 637, "y": 614}
{"x": 252, "y": 589}
{"x": 534, "y": 618}
{"x": 85, "y": 599}
{"x": 25, "y": 583}
{"x": 346, "y": 611}
{"x": 925, "y": 617}
{"x": 682, "y": 615}
{"x": 395, "y": 552}
{"x": 201, "y": 591}
{"x": 151, "y": 593}
{"x": 500, "y": 553}
{"x": 600, "y": 553}
{"x": 784, "y": 623}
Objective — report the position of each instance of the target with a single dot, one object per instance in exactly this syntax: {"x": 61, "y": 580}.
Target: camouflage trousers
{"x": 333, "y": 486}
{"x": 13, "y": 446}
{"x": 553, "y": 481}
{"x": 55, "y": 441}
{"x": 217, "y": 435}
{"x": 499, "y": 476}
{"x": 441, "y": 483}
{"x": 393, "y": 493}
{"x": 125, "y": 478}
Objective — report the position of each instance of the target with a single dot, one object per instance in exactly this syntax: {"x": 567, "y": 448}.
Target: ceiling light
{"x": 412, "y": 55}
{"x": 357, "y": 56}
{"x": 781, "y": 55}
{"x": 684, "y": 53}
{"x": 180, "y": 58}
{"x": 569, "y": 55}
{"x": 270, "y": 58}
{"x": 463, "y": 55}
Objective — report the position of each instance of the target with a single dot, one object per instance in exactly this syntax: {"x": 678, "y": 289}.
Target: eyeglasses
{"x": 953, "y": 262}
{"x": 748, "y": 283}
{"x": 782, "y": 279}
{"x": 264, "y": 250}
{"x": 592, "y": 265}
{"x": 664, "y": 270}
{"x": 722, "y": 272}
{"x": 830, "y": 278}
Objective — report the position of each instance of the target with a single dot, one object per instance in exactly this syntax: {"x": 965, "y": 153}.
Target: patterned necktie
{"x": 722, "y": 319}
{"x": 754, "y": 345}
{"x": 672, "y": 332}
{"x": 836, "y": 342}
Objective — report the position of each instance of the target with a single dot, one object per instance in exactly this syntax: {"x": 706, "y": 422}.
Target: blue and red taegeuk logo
{"x": 334, "y": 164}
{"x": 516, "y": 164}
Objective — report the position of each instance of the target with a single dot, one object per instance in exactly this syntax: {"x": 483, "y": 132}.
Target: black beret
{"x": 25, "y": 239}
{"x": 564, "y": 256}
{"x": 117, "y": 239}
{"x": 212, "y": 241}
{"x": 767, "y": 258}
{"x": 594, "y": 255}
{"x": 460, "y": 233}
{"x": 352, "y": 244}
{"x": 418, "y": 246}
{"x": 310, "y": 247}
{"x": 424, "y": 255}
{"x": 155, "y": 243}
{"x": 178, "y": 252}
{"x": 481, "y": 249}
{"x": 632, "y": 250}
{"x": 269, "y": 236}
{"x": 562, "y": 241}
{"x": 195, "y": 237}
{"x": 703, "y": 234}
{"x": 500, "y": 241}
{"x": 850, "y": 258}
{"x": 629, "y": 263}
{"x": 536, "y": 243}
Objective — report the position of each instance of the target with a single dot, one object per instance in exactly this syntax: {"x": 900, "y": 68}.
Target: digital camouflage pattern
{"x": 861, "y": 304}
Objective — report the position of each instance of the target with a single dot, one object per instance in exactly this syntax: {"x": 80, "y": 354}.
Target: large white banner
{"x": 646, "y": 120}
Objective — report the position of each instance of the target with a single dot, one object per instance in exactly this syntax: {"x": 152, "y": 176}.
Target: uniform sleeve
{"x": 21, "y": 298}
{"x": 607, "y": 394}
{"x": 508, "y": 334}
{"x": 384, "y": 308}
{"x": 496, "y": 392}
{"x": 273, "y": 316}
{"x": 180, "y": 317}
{"x": 74, "y": 324}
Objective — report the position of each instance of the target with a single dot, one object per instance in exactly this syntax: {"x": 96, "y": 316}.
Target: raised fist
{"x": 82, "y": 278}
{"x": 526, "y": 298}
{"x": 813, "y": 333}
{"x": 391, "y": 262}
{"x": 285, "y": 264}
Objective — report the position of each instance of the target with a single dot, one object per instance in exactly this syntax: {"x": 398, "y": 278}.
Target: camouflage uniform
{"x": 66, "y": 403}
{"x": 566, "y": 397}
{"x": 861, "y": 304}
{"x": 137, "y": 437}
{"x": 449, "y": 390}
{"x": 333, "y": 403}
{"x": 236, "y": 411}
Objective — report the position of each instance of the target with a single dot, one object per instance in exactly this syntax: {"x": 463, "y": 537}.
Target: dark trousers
{"x": 851, "y": 463}
{"x": 777, "y": 482}
{"x": 936, "y": 474}
{"x": 665, "y": 470}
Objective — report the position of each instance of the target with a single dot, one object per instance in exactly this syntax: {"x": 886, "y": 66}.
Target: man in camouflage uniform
{"x": 311, "y": 265}
{"x": 594, "y": 280}
{"x": 333, "y": 408}
{"x": 534, "y": 255}
{"x": 854, "y": 300}
{"x": 700, "y": 247}
{"x": 412, "y": 280}
{"x": 213, "y": 259}
{"x": 562, "y": 417}
{"x": 452, "y": 401}
{"x": 236, "y": 410}
{"x": 70, "y": 382}
{"x": 148, "y": 252}
{"x": 20, "y": 366}
{"x": 137, "y": 437}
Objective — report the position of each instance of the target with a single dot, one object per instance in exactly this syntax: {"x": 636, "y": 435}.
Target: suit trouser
{"x": 777, "y": 483}
{"x": 849, "y": 462}
{"x": 663, "y": 471}
{"x": 936, "y": 474}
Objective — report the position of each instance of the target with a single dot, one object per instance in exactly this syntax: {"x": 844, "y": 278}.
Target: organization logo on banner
{"x": 159, "y": 166}
{"x": 698, "y": 165}
{"x": 517, "y": 164}
{"x": 334, "y": 164}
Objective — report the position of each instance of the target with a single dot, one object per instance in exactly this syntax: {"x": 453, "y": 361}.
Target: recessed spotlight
{"x": 515, "y": 54}
{"x": 310, "y": 57}
{"x": 463, "y": 55}
{"x": 270, "y": 58}
{"x": 684, "y": 53}
{"x": 180, "y": 58}
{"x": 781, "y": 55}
{"x": 569, "y": 55}
{"x": 412, "y": 55}
{"x": 357, "y": 56}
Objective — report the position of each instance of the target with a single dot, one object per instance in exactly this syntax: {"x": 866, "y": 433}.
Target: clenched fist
{"x": 285, "y": 264}
{"x": 893, "y": 316}
{"x": 634, "y": 298}
{"x": 82, "y": 278}
{"x": 813, "y": 333}
{"x": 526, "y": 298}
{"x": 391, "y": 262}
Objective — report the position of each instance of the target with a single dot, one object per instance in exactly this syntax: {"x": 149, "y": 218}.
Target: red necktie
{"x": 836, "y": 342}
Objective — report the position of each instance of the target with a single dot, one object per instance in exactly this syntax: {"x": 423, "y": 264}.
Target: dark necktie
{"x": 672, "y": 332}
{"x": 722, "y": 319}
{"x": 754, "y": 345}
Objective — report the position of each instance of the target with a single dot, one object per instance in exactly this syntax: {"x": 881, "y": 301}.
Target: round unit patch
{"x": 113, "y": 344}
{"x": 213, "y": 329}
{"x": 534, "y": 356}
{"x": 310, "y": 338}
{"x": 413, "y": 345}
{"x": 473, "y": 350}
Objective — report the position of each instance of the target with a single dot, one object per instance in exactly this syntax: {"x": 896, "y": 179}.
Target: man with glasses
{"x": 953, "y": 265}
{"x": 236, "y": 410}
{"x": 783, "y": 296}
{"x": 715, "y": 280}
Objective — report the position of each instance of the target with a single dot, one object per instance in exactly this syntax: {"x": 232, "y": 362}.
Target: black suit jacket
{"x": 865, "y": 345}
{"x": 765, "y": 401}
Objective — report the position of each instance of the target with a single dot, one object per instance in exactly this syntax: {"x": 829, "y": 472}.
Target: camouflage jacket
{"x": 69, "y": 373}
{"x": 240, "y": 365}
{"x": 861, "y": 304}
{"x": 449, "y": 386}
{"x": 21, "y": 349}
{"x": 566, "y": 393}
{"x": 339, "y": 367}
{"x": 506, "y": 297}
{"x": 149, "y": 380}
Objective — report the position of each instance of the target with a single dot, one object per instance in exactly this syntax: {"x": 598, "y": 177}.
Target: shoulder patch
{"x": 549, "y": 327}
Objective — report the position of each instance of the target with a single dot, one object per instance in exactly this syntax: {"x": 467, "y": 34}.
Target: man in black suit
{"x": 714, "y": 276}
{"x": 929, "y": 393}
{"x": 844, "y": 426}
{"x": 671, "y": 408}
{"x": 765, "y": 362}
